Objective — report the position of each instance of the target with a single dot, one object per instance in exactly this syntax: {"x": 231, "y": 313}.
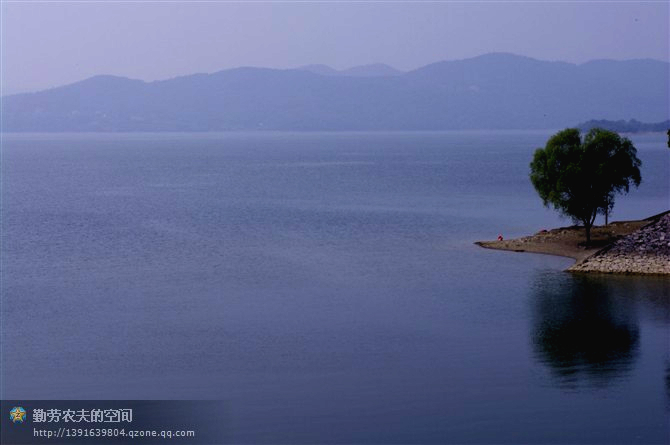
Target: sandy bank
{"x": 640, "y": 247}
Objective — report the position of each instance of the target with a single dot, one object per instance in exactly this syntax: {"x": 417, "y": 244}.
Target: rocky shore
{"x": 633, "y": 247}
{"x": 645, "y": 251}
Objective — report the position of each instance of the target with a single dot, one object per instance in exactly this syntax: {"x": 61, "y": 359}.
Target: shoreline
{"x": 623, "y": 247}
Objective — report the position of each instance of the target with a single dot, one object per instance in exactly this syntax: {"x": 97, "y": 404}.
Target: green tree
{"x": 580, "y": 178}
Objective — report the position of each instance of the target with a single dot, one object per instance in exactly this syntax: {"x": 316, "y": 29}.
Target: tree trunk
{"x": 588, "y": 233}
{"x": 588, "y": 224}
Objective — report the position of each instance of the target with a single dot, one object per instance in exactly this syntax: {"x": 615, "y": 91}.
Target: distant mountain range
{"x": 372, "y": 70}
{"x": 493, "y": 91}
{"x": 622, "y": 126}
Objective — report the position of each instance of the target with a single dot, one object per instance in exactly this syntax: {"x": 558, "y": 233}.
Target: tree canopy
{"x": 580, "y": 177}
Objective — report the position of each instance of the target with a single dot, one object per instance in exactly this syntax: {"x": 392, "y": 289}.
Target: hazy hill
{"x": 487, "y": 92}
{"x": 321, "y": 69}
{"x": 622, "y": 126}
{"x": 372, "y": 70}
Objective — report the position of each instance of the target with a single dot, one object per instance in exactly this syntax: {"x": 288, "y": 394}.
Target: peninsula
{"x": 628, "y": 247}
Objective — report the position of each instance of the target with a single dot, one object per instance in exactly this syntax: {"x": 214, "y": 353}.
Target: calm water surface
{"x": 326, "y": 287}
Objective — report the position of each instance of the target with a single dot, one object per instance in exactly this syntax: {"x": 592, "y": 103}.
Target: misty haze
{"x": 335, "y": 222}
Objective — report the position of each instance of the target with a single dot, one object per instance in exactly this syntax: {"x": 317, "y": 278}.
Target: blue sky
{"x": 51, "y": 43}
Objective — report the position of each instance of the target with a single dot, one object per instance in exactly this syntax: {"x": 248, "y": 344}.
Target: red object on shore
{"x": 500, "y": 237}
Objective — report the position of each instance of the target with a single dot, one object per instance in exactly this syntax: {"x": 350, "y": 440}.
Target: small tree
{"x": 580, "y": 178}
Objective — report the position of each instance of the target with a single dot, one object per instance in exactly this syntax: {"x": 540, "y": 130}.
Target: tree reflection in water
{"x": 584, "y": 328}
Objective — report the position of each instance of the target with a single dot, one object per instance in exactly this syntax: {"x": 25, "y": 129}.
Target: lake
{"x": 326, "y": 287}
